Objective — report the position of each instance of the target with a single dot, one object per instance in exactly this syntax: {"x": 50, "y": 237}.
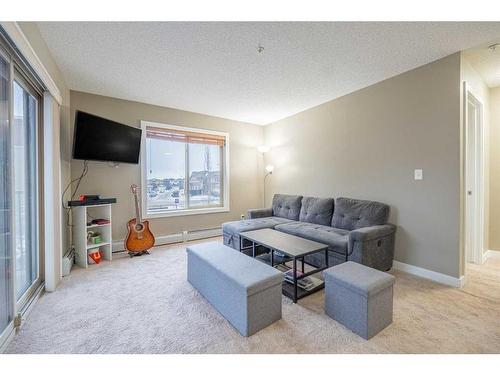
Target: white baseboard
{"x": 205, "y": 233}
{"x": 490, "y": 254}
{"x": 176, "y": 238}
{"x": 428, "y": 274}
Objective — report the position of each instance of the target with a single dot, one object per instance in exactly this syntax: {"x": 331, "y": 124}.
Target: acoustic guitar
{"x": 139, "y": 237}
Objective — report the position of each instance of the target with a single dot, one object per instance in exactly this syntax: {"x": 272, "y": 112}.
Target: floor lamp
{"x": 269, "y": 170}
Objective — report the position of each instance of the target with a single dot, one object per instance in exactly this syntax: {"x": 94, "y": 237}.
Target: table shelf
{"x": 301, "y": 293}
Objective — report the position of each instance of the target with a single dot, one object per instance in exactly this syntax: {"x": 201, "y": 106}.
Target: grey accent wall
{"x": 367, "y": 144}
{"x": 244, "y": 161}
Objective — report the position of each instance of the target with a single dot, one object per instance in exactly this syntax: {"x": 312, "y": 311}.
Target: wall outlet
{"x": 419, "y": 174}
{"x": 242, "y": 217}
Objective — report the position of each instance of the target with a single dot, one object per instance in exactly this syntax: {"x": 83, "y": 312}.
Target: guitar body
{"x": 139, "y": 237}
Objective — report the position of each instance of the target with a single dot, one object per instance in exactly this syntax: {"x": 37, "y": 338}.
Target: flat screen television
{"x": 97, "y": 138}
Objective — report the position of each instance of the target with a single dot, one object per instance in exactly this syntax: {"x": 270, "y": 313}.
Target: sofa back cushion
{"x": 353, "y": 214}
{"x": 316, "y": 210}
{"x": 287, "y": 206}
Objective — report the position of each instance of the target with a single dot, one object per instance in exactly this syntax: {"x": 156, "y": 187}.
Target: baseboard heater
{"x": 199, "y": 234}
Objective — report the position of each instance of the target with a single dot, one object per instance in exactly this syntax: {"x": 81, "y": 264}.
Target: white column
{"x": 52, "y": 192}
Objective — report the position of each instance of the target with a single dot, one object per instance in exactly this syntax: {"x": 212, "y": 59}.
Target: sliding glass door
{"x": 6, "y": 284}
{"x": 24, "y": 128}
{"x": 20, "y": 260}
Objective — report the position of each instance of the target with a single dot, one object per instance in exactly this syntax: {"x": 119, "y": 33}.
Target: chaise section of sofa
{"x": 353, "y": 229}
{"x": 285, "y": 209}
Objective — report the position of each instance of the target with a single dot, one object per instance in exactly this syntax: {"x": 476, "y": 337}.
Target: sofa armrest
{"x": 373, "y": 246}
{"x": 371, "y": 233}
{"x": 256, "y": 213}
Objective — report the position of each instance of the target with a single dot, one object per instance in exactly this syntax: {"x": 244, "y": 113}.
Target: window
{"x": 184, "y": 170}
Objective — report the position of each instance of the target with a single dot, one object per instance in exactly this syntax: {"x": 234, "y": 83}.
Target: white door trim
{"x": 52, "y": 193}
{"x": 478, "y": 184}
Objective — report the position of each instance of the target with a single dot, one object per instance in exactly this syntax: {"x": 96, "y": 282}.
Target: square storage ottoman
{"x": 359, "y": 297}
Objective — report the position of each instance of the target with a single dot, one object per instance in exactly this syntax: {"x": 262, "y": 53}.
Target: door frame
{"x": 478, "y": 185}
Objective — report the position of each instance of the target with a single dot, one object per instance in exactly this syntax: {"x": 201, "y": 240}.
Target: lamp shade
{"x": 269, "y": 168}
{"x": 263, "y": 148}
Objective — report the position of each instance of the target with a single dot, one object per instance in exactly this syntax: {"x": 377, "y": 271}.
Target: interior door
{"x": 474, "y": 176}
{"x": 470, "y": 232}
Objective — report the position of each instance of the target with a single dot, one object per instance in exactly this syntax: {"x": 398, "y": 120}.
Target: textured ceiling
{"x": 486, "y": 63}
{"x": 214, "y": 68}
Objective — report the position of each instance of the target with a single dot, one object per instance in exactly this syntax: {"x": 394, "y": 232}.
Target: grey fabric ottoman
{"x": 359, "y": 297}
{"x": 245, "y": 291}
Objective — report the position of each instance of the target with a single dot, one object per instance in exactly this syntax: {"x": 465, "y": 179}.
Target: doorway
{"x": 474, "y": 177}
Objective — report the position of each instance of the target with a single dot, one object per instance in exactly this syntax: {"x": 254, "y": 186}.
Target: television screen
{"x": 104, "y": 140}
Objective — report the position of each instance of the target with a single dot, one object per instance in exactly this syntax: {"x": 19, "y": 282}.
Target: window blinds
{"x": 185, "y": 136}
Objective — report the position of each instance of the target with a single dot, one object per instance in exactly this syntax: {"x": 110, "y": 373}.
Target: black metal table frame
{"x": 292, "y": 259}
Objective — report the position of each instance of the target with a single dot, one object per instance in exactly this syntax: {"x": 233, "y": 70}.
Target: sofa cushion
{"x": 316, "y": 210}
{"x": 336, "y": 239}
{"x": 236, "y": 227}
{"x": 287, "y": 206}
{"x": 353, "y": 214}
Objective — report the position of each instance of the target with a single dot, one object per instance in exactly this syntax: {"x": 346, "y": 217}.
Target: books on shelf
{"x": 307, "y": 283}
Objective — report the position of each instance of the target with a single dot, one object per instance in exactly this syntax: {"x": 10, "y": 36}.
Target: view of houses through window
{"x": 183, "y": 171}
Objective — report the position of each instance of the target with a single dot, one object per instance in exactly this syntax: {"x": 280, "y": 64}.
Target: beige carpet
{"x": 145, "y": 305}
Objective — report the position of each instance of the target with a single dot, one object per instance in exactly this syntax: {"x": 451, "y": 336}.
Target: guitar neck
{"x": 138, "y": 218}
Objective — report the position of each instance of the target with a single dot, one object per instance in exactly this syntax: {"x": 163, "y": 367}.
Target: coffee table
{"x": 283, "y": 248}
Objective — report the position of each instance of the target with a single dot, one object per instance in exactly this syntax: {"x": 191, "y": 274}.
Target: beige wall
{"x": 245, "y": 163}
{"x": 36, "y": 41}
{"x": 494, "y": 243}
{"x": 367, "y": 144}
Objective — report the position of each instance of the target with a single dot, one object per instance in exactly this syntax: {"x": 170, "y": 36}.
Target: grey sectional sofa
{"x": 355, "y": 230}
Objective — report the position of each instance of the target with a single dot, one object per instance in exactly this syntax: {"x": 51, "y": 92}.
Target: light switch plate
{"x": 419, "y": 174}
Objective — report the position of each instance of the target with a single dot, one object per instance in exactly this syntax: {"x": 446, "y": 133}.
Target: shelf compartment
{"x": 98, "y": 225}
{"x": 95, "y": 245}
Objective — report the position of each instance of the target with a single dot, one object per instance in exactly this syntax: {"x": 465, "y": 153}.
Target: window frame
{"x": 184, "y": 211}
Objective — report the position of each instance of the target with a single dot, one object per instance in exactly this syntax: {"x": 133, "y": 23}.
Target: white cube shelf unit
{"x": 82, "y": 215}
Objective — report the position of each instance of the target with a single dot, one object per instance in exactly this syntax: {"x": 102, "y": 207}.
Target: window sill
{"x": 192, "y": 211}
